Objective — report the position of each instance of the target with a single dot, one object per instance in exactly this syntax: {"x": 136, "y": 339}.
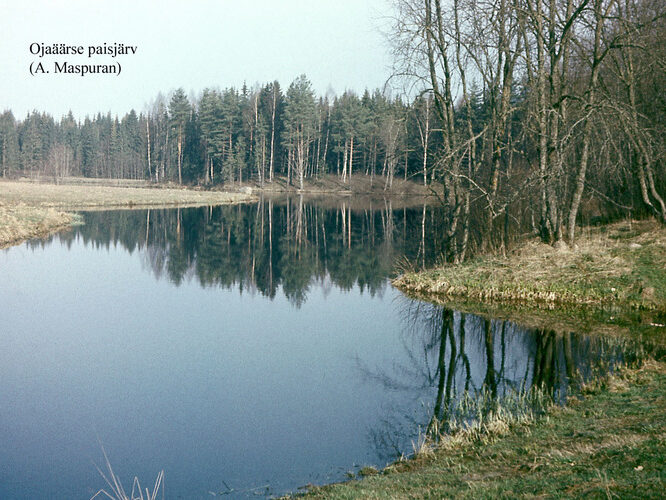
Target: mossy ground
{"x": 611, "y": 443}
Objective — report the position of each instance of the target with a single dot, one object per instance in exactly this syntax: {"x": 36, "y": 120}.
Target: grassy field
{"x": 621, "y": 264}
{"x": 109, "y": 195}
{"x": 608, "y": 444}
{"x": 31, "y": 209}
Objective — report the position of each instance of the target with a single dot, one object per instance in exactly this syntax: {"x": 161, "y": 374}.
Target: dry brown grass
{"x": 32, "y": 209}
{"x": 614, "y": 264}
{"x": 96, "y": 196}
{"x": 20, "y": 222}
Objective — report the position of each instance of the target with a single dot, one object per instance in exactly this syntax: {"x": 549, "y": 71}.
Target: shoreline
{"x": 622, "y": 264}
{"x": 90, "y": 196}
{"x": 599, "y": 444}
{"x": 612, "y": 283}
{"x": 20, "y": 222}
{"x": 33, "y": 210}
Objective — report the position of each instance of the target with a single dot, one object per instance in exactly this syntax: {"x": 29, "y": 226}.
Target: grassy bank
{"x": 622, "y": 264}
{"x": 357, "y": 185}
{"x": 610, "y": 444}
{"x": 31, "y": 210}
{"x": 20, "y": 222}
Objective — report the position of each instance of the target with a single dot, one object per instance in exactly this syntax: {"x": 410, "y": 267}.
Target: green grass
{"x": 609, "y": 444}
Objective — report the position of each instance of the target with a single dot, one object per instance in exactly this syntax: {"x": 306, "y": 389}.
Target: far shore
{"x": 33, "y": 210}
{"x": 109, "y": 194}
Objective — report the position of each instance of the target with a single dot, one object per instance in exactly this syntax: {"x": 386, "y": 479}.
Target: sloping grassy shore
{"x": 20, "y": 222}
{"x": 31, "y": 210}
{"x": 621, "y": 264}
{"x": 610, "y": 444}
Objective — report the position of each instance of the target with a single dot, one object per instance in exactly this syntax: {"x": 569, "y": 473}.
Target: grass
{"x": 20, "y": 222}
{"x": 98, "y": 195}
{"x": 32, "y": 210}
{"x": 621, "y": 264}
{"x": 602, "y": 445}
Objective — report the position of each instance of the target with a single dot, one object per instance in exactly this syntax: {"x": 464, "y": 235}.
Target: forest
{"x": 520, "y": 114}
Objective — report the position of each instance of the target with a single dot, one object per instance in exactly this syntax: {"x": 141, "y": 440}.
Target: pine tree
{"x": 179, "y": 113}
{"x": 299, "y": 125}
{"x": 9, "y": 146}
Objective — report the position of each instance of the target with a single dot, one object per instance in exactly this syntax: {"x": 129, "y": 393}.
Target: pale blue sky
{"x": 190, "y": 44}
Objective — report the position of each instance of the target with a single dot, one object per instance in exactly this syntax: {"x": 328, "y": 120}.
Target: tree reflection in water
{"x": 288, "y": 244}
{"x": 455, "y": 356}
{"x": 292, "y": 244}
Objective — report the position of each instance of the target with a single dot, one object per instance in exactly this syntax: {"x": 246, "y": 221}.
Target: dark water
{"x": 256, "y": 348}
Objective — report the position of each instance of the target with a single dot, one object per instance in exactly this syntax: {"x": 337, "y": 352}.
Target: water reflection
{"x": 172, "y": 336}
{"x": 288, "y": 243}
{"x": 451, "y": 356}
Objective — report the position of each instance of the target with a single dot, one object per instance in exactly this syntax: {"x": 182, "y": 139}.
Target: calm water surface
{"x": 254, "y": 348}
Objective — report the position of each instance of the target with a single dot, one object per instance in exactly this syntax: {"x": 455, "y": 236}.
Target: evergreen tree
{"x": 9, "y": 145}
{"x": 299, "y": 126}
{"x": 179, "y": 114}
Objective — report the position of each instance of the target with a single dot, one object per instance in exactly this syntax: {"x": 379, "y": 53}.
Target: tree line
{"x": 527, "y": 114}
{"x": 228, "y": 136}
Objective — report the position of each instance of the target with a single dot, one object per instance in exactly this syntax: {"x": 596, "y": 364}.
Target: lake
{"x": 245, "y": 350}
